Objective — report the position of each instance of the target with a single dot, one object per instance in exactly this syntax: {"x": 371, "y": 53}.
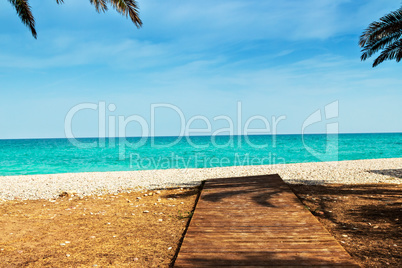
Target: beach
{"x": 127, "y": 219}
{"x": 96, "y": 183}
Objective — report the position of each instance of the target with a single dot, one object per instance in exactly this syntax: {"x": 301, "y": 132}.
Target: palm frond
{"x": 371, "y": 48}
{"x": 388, "y": 24}
{"x": 392, "y": 52}
{"x": 100, "y": 5}
{"x": 384, "y": 35}
{"x": 128, "y": 8}
{"x": 24, "y": 12}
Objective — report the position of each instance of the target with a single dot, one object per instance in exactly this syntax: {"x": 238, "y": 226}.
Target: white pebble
{"x": 48, "y": 186}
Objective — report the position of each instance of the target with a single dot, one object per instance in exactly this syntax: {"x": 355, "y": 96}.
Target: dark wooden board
{"x": 256, "y": 222}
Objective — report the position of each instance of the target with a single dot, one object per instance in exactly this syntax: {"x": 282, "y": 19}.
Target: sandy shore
{"x": 51, "y": 186}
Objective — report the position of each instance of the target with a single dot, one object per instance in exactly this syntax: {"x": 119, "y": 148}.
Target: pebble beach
{"x": 96, "y": 183}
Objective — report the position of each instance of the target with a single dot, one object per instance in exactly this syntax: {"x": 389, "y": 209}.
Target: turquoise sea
{"x": 45, "y": 156}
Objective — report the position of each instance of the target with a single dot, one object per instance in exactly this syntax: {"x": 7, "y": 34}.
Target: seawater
{"x": 48, "y": 156}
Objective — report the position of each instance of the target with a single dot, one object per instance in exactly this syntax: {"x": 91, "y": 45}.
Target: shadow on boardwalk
{"x": 263, "y": 259}
{"x": 260, "y": 190}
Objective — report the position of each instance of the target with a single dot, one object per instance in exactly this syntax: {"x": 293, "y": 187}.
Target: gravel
{"x": 81, "y": 184}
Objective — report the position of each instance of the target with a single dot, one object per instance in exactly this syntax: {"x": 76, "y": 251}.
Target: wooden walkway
{"x": 256, "y": 221}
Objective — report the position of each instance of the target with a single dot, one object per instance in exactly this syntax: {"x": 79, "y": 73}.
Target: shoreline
{"x": 50, "y": 186}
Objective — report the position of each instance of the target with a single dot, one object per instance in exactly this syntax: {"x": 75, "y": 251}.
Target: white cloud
{"x": 255, "y": 19}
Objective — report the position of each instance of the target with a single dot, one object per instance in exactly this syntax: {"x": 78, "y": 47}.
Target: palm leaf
{"x": 376, "y": 45}
{"x": 392, "y": 52}
{"x": 388, "y": 24}
{"x": 384, "y": 35}
{"x": 128, "y": 8}
{"x": 100, "y": 5}
{"x": 124, "y": 7}
{"x": 24, "y": 12}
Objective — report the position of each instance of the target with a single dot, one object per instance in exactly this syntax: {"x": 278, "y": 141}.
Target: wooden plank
{"x": 256, "y": 222}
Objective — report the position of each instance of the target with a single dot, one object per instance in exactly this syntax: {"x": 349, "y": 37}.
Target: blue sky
{"x": 278, "y": 58}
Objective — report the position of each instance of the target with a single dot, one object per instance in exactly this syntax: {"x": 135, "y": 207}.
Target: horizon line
{"x": 172, "y": 136}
